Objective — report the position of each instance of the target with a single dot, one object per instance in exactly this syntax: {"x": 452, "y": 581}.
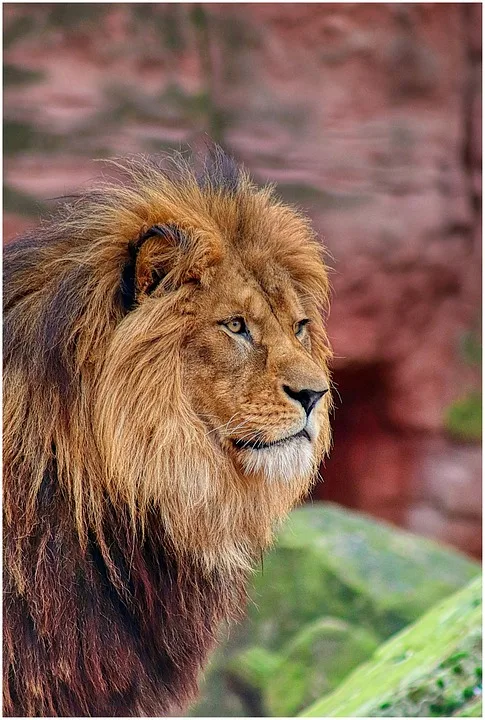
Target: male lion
{"x": 165, "y": 404}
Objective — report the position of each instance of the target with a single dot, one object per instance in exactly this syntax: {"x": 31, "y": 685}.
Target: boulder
{"x": 332, "y": 561}
{"x": 218, "y": 697}
{"x": 315, "y": 661}
{"x": 432, "y": 668}
{"x": 329, "y": 565}
{"x": 471, "y": 709}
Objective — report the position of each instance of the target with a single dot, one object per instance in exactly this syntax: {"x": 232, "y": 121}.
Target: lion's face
{"x": 178, "y": 354}
{"x": 251, "y": 375}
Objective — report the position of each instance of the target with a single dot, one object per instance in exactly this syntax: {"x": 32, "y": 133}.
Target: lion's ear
{"x": 152, "y": 257}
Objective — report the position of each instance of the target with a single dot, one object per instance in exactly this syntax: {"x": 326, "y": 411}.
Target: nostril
{"x": 306, "y": 397}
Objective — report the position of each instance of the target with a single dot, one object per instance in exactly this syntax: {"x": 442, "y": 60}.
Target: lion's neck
{"x": 129, "y": 626}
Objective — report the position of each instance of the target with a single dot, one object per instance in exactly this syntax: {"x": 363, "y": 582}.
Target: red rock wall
{"x": 366, "y": 115}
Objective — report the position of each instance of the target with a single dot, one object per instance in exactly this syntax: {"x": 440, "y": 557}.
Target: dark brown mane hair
{"x": 116, "y": 575}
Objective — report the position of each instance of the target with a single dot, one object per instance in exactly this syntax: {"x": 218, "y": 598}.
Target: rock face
{"x": 432, "y": 668}
{"x": 335, "y": 586}
{"x": 352, "y": 568}
{"x": 366, "y": 115}
{"x": 313, "y": 662}
{"x": 317, "y": 659}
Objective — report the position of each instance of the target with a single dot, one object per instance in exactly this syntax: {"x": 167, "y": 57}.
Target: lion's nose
{"x": 307, "y": 398}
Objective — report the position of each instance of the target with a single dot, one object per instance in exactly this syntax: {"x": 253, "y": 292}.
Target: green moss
{"x": 315, "y": 661}
{"x": 472, "y": 709}
{"x": 153, "y": 144}
{"x": 254, "y": 666}
{"x": 19, "y": 137}
{"x": 324, "y": 199}
{"x": 463, "y": 420}
{"x": 17, "y": 29}
{"x": 172, "y": 29}
{"x": 424, "y": 684}
{"x": 471, "y": 348}
{"x": 215, "y": 697}
{"x": 165, "y": 21}
{"x": 198, "y": 16}
{"x": 453, "y": 659}
{"x": 73, "y": 16}
{"x": 20, "y": 203}
{"x": 15, "y": 75}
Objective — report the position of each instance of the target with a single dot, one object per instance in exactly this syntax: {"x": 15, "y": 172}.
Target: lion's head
{"x": 174, "y": 355}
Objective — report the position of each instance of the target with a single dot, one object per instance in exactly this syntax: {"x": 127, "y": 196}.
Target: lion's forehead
{"x": 255, "y": 292}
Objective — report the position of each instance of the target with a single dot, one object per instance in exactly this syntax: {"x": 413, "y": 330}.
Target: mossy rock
{"x": 216, "y": 696}
{"x": 431, "y": 669}
{"x": 464, "y": 418}
{"x": 472, "y": 709}
{"x": 332, "y": 561}
{"x": 329, "y": 562}
{"x": 254, "y": 667}
{"x": 317, "y": 659}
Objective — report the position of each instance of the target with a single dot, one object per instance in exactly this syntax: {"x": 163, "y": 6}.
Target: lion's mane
{"x": 126, "y": 540}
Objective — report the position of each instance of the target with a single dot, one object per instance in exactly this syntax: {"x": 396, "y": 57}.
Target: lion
{"x": 166, "y": 403}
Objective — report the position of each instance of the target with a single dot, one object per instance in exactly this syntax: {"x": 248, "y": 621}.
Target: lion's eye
{"x": 298, "y": 326}
{"x": 237, "y": 326}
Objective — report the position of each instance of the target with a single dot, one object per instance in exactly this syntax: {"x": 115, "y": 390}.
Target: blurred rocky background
{"x": 368, "y": 117}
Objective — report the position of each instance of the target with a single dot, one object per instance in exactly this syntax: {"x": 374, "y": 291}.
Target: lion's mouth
{"x": 260, "y": 445}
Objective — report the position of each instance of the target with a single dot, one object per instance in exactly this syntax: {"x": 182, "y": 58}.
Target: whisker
{"x": 250, "y": 435}
{"x": 334, "y": 387}
{"x": 224, "y": 425}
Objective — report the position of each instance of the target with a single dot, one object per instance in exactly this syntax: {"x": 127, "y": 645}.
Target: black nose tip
{"x": 307, "y": 398}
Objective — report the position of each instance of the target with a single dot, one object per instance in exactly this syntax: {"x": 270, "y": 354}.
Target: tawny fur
{"x": 132, "y": 508}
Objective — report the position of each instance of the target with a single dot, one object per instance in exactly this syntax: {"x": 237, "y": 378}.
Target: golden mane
{"x": 87, "y": 381}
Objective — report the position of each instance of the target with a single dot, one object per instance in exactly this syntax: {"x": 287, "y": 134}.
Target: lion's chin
{"x": 283, "y": 462}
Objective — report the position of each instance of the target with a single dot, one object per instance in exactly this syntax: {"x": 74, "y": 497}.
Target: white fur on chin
{"x": 287, "y": 461}
{"x": 282, "y": 462}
